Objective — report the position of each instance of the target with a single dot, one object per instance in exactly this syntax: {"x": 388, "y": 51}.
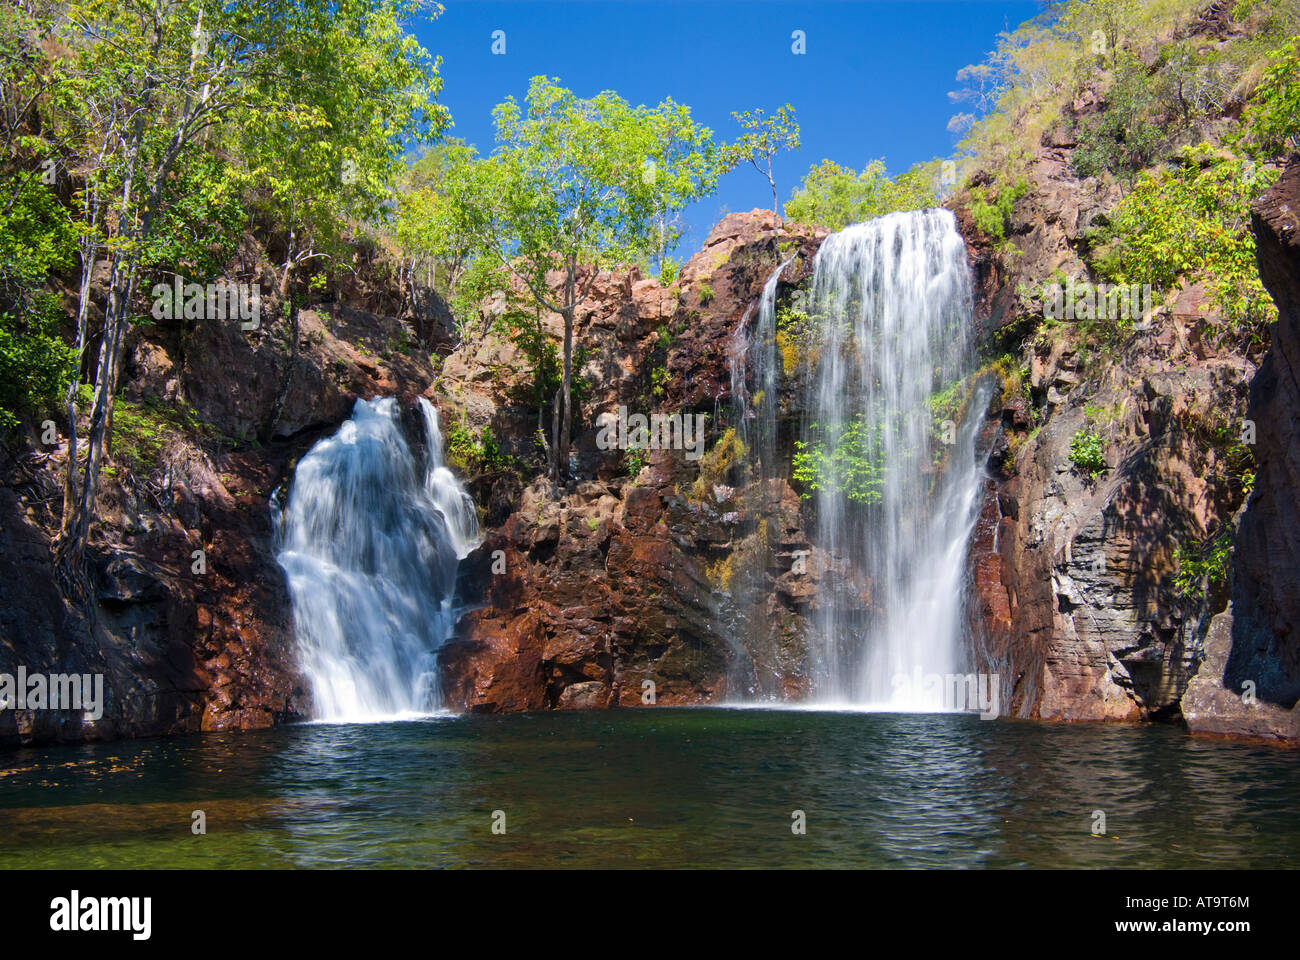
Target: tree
{"x": 1273, "y": 118}
{"x": 325, "y": 155}
{"x": 427, "y": 228}
{"x": 1101, "y": 23}
{"x": 762, "y": 140}
{"x": 574, "y": 186}
{"x": 167, "y": 75}
{"x": 833, "y": 196}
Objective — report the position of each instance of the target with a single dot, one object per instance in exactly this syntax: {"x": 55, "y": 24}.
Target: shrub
{"x": 1087, "y": 453}
{"x": 1203, "y": 565}
{"x": 845, "y": 460}
{"x": 992, "y": 211}
{"x": 1126, "y": 135}
{"x": 1193, "y": 221}
{"x": 474, "y": 452}
{"x": 1273, "y": 119}
{"x": 634, "y": 458}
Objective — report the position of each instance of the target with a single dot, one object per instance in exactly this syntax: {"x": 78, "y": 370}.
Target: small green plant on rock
{"x": 474, "y": 452}
{"x": 714, "y": 465}
{"x": 634, "y": 458}
{"x": 1087, "y": 453}
{"x": 1202, "y": 566}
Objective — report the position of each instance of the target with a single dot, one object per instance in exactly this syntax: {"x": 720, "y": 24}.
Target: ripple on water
{"x": 666, "y": 787}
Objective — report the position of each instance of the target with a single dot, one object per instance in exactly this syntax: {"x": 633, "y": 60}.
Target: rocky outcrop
{"x": 1075, "y": 601}
{"x": 1250, "y": 682}
{"x": 648, "y": 588}
{"x": 1078, "y": 607}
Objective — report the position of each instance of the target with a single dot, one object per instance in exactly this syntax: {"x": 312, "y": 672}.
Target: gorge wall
{"x": 680, "y": 572}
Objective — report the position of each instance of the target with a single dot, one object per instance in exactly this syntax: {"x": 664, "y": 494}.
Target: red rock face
{"x": 607, "y": 585}
{"x": 593, "y": 597}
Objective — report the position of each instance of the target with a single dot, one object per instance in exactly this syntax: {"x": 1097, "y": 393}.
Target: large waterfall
{"x": 877, "y": 358}
{"x": 893, "y": 457}
{"x": 370, "y": 541}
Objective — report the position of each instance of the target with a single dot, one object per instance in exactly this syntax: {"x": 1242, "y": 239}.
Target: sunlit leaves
{"x": 833, "y": 196}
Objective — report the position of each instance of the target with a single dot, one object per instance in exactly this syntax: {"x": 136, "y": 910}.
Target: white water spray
{"x": 370, "y": 542}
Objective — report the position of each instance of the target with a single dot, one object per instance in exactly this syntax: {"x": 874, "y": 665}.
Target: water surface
{"x": 666, "y": 787}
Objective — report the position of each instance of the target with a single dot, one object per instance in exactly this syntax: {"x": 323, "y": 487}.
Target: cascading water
{"x": 370, "y": 541}
{"x": 897, "y": 490}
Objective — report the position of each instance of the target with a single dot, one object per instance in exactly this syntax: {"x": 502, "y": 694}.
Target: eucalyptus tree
{"x": 763, "y": 139}
{"x": 575, "y": 186}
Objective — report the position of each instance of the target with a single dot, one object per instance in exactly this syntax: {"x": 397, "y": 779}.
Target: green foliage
{"x": 143, "y": 431}
{"x": 658, "y": 381}
{"x": 430, "y": 232}
{"x": 844, "y": 459}
{"x": 991, "y": 210}
{"x": 1087, "y": 452}
{"x": 1193, "y": 222}
{"x": 1273, "y": 118}
{"x": 35, "y": 362}
{"x": 706, "y": 295}
{"x": 326, "y": 129}
{"x": 1202, "y": 566}
{"x": 1129, "y": 133}
{"x": 473, "y": 452}
{"x": 833, "y": 196}
{"x": 635, "y": 459}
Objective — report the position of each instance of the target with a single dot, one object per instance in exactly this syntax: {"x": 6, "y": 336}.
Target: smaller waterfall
{"x": 448, "y": 496}
{"x": 370, "y": 542}
{"x": 754, "y": 354}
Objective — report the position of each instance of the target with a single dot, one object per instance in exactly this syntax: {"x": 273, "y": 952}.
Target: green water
{"x": 657, "y": 788}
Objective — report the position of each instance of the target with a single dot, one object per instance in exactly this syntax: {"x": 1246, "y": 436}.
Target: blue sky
{"x": 874, "y": 81}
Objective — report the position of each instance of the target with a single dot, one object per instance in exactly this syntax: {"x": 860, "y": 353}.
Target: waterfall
{"x": 370, "y": 541}
{"x": 755, "y": 355}
{"x": 895, "y": 490}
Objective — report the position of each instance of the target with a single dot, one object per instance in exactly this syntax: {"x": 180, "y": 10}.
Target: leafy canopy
{"x": 833, "y": 196}
{"x": 577, "y": 180}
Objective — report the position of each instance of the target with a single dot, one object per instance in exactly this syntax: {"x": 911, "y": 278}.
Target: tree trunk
{"x": 286, "y": 296}
{"x": 566, "y": 421}
{"x": 70, "y": 551}
{"x": 87, "y": 252}
{"x": 555, "y": 436}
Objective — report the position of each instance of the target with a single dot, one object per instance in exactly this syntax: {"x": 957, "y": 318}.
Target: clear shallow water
{"x": 657, "y": 788}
